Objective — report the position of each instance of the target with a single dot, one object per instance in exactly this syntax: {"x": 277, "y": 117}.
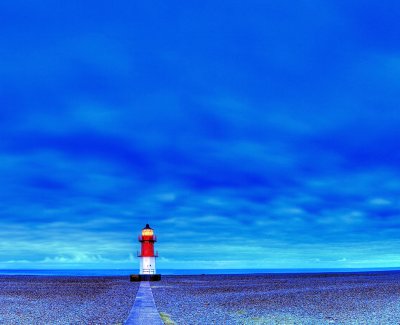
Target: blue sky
{"x": 249, "y": 134}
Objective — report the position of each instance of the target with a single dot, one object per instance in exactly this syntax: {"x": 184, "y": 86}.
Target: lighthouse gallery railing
{"x": 139, "y": 255}
{"x": 154, "y": 239}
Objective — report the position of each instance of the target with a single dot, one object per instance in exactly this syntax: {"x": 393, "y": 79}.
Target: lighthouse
{"x": 147, "y": 256}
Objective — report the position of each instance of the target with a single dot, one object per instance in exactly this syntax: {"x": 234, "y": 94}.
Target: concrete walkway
{"x": 144, "y": 310}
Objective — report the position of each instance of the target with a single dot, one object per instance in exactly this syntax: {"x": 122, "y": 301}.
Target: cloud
{"x": 262, "y": 130}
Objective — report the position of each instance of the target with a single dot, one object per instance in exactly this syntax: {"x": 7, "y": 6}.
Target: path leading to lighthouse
{"x": 144, "y": 310}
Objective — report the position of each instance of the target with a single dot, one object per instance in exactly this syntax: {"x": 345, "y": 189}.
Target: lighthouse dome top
{"x": 147, "y": 231}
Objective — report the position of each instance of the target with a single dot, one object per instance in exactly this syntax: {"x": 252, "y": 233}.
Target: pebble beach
{"x": 65, "y": 300}
{"x": 347, "y": 298}
{"x": 330, "y": 298}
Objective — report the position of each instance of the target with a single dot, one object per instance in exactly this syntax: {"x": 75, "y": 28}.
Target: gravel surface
{"x": 341, "y": 298}
{"x": 65, "y": 300}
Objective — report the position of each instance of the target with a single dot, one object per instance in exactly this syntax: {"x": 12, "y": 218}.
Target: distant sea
{"x": 116, "y": 272}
